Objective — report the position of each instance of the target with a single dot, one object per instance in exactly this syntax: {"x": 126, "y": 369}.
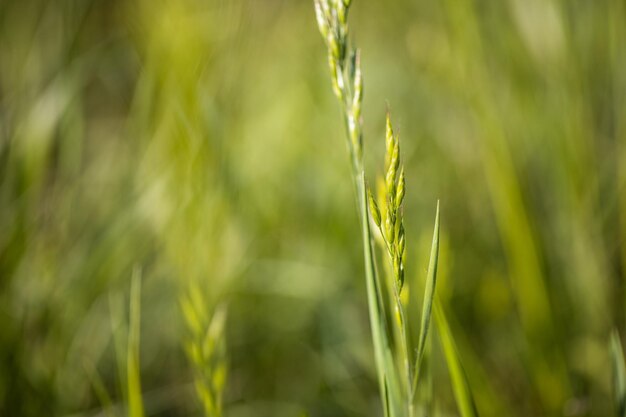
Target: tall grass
{"x": 194, "y": 138}
{"x": 397, "y": 386}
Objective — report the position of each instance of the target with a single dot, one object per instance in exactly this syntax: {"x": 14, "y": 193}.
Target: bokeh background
{"x": 199, "y": 141}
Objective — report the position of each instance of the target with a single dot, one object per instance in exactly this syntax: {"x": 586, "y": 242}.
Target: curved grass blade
{"x": 619, "y": 375}
{"x": 99, "y": 389}
{"x": 429, "y": 293}
{"x": 460, "y": 385}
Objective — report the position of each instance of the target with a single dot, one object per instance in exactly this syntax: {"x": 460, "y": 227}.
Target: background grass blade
{"x": 460, "y": 385}
{"x": 619, "y": 375}
{"x": 100, "y": 390}
{"x": 135, "y": 400}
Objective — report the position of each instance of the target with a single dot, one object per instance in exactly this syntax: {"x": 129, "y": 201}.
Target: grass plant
{"x": 398, "y": 384}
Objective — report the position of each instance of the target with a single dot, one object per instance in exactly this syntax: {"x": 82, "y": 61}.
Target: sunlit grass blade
{"x": 460, "y": 385}
{"x": 135, "y": 401}
{"x": 119, "y": 331}
{"x": 429, "y": 293}
{"x": 486, "y": 393}
{"x": 619, "y": 375}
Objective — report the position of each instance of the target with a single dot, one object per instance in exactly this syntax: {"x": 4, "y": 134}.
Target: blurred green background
{"x": 200, "y": 141}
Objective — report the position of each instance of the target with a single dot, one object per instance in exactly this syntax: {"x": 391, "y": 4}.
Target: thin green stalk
{"x": 135, "y": 402}
{"x": 401, "y": 316}
{"x": 404, "y": 339}
{"x": 377, "y": 321}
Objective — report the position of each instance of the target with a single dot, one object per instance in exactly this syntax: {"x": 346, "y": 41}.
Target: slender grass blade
{"x": 135, "y": 401}
{"x": 460, "y": 385}
{"x": 429, "y": 293}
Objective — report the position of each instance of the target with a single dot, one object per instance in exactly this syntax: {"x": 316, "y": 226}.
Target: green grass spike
{"x": 429, "y": 294}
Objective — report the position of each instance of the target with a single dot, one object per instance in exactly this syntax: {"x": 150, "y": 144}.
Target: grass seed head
{"x": 322, "y": 21}
{"x": 374, "y": 208}
{"x": 389, "y": 223}
{"x": 400, "y": 189}
{"x": 357, "y": 88}
{"x": 388, "y": 135}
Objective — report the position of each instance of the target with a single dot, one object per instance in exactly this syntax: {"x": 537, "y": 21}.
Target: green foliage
{"x": 195, "y": 138}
